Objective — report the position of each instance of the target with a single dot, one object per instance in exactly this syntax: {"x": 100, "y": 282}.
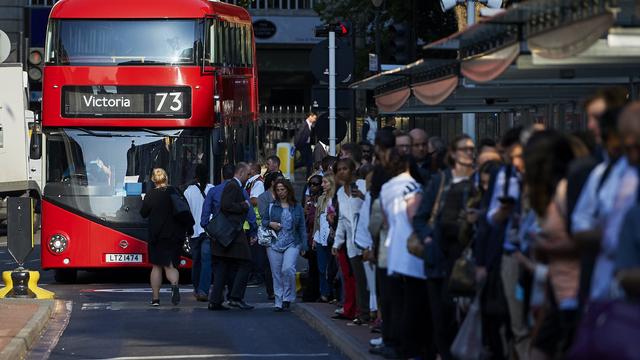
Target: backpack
{"x": 181, "y": 210}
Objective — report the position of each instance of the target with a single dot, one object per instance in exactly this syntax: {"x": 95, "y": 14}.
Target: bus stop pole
{"x": 332, "y": 93}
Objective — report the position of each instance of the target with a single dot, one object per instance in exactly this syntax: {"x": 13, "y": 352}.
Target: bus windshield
{"x": 122, "y": 42}
{"x": 103, "y": 174}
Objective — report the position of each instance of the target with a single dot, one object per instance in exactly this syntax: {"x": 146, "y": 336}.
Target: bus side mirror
{"x": 35, "y": 143}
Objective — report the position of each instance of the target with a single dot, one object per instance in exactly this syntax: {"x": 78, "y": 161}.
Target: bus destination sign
{"x": 126, "y": 101}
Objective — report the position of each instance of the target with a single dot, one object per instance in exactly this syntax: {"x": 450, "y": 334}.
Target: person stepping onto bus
{"x": 166, "y": 236}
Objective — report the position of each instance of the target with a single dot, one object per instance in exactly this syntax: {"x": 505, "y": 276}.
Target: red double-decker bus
{"x": 129, "y": 86}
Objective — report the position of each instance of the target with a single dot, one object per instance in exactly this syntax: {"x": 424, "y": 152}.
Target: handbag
{"x": 463, "y": 276}
{"x": 415, "y": 245}
{"x": 608, "y": 330}
{"x": 266, "y": 235}
{"x": 221, "y": 230}
{"x": 468, "y": 342}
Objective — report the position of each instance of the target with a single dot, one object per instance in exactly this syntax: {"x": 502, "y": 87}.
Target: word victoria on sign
{"x": 104, "y": 101}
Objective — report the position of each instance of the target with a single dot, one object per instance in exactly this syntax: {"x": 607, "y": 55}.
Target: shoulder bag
{"x": 221, "y": 230}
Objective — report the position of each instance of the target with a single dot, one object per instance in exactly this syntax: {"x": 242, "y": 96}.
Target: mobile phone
{"x": 507, "y": 199}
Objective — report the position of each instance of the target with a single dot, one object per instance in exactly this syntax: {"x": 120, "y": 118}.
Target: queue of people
{"x": 531, "y": 240}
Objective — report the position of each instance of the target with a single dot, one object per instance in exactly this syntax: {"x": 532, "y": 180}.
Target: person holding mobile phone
{"x": 322, "y": 233}
{"x": 286, "y": 217}
{"x": 350, "y": 199}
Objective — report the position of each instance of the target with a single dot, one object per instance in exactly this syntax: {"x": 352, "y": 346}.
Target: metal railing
{"x": 277, "y": 124}
{"x": 42, "y": 2}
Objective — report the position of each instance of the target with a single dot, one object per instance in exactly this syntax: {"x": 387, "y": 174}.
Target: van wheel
{"x": 66, "y": 276}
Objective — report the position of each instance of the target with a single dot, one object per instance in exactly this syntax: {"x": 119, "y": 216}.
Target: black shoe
{"x": 278, "y": 309}
{"x": 155, "y": 302}
{"x": 175, "y": 295}
{"x": 286, "y": 305}
{"x": 240, "y": 305}
{"x": 271, "y": 297}
{"x": 217, "y": 307}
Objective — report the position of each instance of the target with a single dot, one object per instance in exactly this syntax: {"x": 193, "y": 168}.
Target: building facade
{"x": 284, "y": 32}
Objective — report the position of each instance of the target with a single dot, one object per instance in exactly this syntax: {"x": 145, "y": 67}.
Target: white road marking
{"x": 133, "y": 290}
{"x": 96, "y": 306}
{"x": 141, "y": 305}
{"x": 212, "y": 356}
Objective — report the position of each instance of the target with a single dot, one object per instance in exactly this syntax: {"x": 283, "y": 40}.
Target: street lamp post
{"x": 332, "y": 92}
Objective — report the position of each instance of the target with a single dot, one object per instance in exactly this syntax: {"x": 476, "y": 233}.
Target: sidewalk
{"x": 21, "y": 322}
{"x": 353, "y": 341}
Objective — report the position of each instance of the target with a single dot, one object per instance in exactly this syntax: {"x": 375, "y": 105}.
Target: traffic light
{"x": 34, "y": 70}
{"x": 400, "y": 46}
{"x": 341, "y": 30}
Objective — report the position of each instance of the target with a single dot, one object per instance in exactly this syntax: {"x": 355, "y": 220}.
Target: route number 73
{"x": 175, "y": 98}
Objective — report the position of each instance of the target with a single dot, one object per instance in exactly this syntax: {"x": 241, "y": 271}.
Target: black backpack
{"x": 181, "y": 210}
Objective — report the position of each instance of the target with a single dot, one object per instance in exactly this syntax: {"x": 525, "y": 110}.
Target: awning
{"x": 562, "y": 36}
{"x": 392, "y": 101}
{"x": 436, "y": 91}
{"x": 487, "y": 67}
{"x": 570, "y": 40}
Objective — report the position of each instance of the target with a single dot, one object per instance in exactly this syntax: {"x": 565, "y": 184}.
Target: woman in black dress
{"x": 166, "y": 236}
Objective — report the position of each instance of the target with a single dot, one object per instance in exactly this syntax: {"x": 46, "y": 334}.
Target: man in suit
{"x": 234, "y": 205}
{"x": 302, "y": 141}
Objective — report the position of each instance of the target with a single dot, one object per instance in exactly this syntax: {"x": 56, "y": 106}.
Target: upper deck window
{"x": 122, "y": 42}
{"x": 230, "y": 44}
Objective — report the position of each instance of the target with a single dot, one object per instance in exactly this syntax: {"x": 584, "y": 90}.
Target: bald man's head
{"x": 419, "y": 147}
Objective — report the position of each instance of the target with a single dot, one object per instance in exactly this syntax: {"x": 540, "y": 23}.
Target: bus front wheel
{"x": 66, "y": 276}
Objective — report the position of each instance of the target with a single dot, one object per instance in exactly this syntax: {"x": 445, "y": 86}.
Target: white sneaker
{"x": 339, "y": 311}
{"x": 376, "y": 342}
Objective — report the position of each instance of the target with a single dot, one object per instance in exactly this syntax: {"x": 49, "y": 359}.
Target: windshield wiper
{"x": 159, "y": 133}
{"x": 143, "y": 62}
{"x": 93, "y": 133}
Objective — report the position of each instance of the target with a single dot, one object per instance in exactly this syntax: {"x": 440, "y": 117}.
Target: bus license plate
{"x": 123, "y": 258}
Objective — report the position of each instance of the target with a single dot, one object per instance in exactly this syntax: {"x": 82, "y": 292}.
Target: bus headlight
{"x": 58, "y": 244}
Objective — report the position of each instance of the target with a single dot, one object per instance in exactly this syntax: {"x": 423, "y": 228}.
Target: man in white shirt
{"x": 199, "y": 243}
{"x": 255, "y": 184}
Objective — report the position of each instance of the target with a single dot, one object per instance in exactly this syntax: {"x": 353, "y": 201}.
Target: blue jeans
{"x": 323, "y": 254}
{"x": 283, "y": 270}
{"x": 201, "y": 270}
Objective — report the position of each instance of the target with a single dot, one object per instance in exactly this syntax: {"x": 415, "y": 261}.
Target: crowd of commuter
{"x": 525, "y": 247}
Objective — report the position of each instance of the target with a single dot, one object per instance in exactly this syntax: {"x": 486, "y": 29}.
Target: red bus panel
{"x": 89, "y": 243}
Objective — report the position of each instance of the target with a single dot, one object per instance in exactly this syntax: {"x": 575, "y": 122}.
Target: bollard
{"x": 20, "y": 279}
{"x": 21, "y": 283}
{"x": 33, "y": 290}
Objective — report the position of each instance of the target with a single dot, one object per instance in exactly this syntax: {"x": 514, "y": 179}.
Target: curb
{"x": 347, "y": 344}
{"x": 24, "y": 340}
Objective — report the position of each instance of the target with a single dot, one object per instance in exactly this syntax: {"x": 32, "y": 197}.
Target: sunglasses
{"x": 315, "y": 184}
